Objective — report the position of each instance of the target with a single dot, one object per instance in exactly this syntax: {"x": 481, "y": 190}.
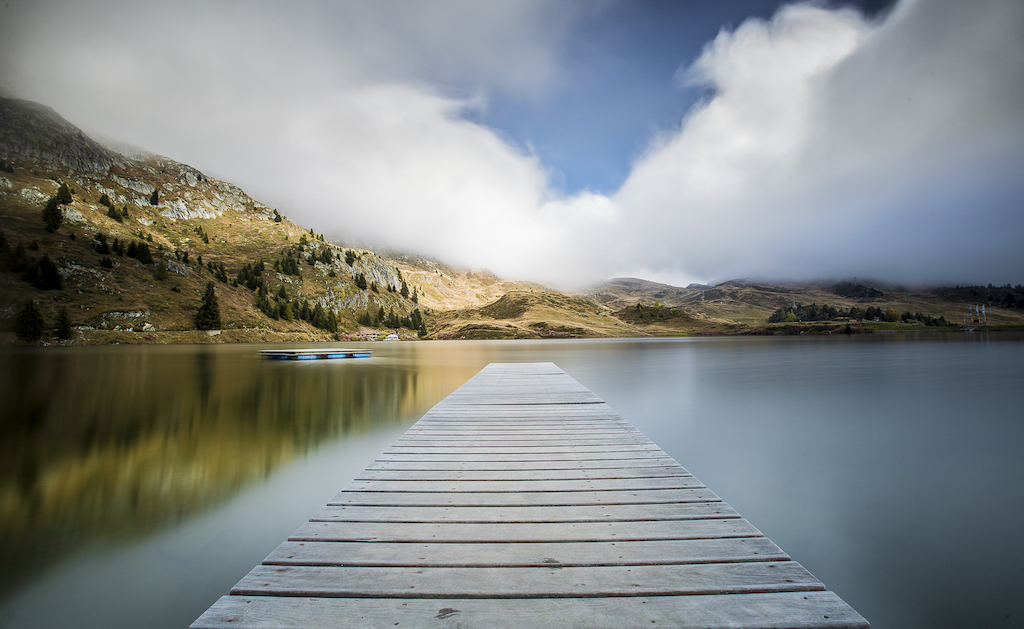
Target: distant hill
{"x": 620, "y": 292}
{"x": 110, "y": 244}
{"x": 540, "y": 313}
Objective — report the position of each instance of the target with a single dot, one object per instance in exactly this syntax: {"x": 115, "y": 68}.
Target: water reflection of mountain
{"x": 110, "y": 442}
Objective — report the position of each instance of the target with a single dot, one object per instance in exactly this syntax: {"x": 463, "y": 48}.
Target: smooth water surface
{"x": 138, "y": 484}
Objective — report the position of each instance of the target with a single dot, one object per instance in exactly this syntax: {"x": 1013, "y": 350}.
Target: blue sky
{"x": 568, "y": 142}
{"x": 623, "y": 63}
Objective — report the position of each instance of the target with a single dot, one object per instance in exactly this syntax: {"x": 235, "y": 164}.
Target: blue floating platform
{"x": 314, "y": 354}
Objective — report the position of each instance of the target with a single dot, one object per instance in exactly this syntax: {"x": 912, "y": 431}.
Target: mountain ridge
{"x": 277, "y": 281}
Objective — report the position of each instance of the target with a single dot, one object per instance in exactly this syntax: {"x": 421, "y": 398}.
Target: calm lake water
{"x": 138, "y": 484}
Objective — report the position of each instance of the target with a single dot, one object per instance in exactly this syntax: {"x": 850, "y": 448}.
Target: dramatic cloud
{"x": 833, "y": 146}
{"x": 828, "y": 144}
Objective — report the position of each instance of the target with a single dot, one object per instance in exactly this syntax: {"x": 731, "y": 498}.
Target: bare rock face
{"x": 33, "y": 132}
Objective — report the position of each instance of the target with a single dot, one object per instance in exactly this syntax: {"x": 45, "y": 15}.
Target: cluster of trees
{"x": 137, "y": 249}
{"x": 112, "y": 211}
{"x": 198, "y": 229}
{"x": 41, "y": 273}
{"x": 1006, "y": 296}
{"x": 217, "y": 268}
{"x": 251, "y": 276}
{"x": 391, "y": 319}
{"x": 655, "y": 312}
{"x": 277, "y": 216}
{"x": 908, "y": 317}
{"x": 813, "y": 312}
{"x": 52, "y": 214}
{"x": 826, "y": 312}
{"x": 303, "y": 241}
{"x": 281, "y": 307}
{"x": 288, "y": 265}
{"x": 361, "y": 284}
{"x": 324, "y": 256}
{"x": 29, "y": 324}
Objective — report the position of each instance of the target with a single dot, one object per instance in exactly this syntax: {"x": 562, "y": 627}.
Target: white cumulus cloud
{"x": 835, "y": 146}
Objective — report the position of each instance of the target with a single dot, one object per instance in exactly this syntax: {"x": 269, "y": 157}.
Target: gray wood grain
{"x": 546, "y": 582}
{"x": 544, "y": 554}
{"x": 618, "y": 473}
{"x": 522, "y": 533}
{"x": 577, "y": 513}
{"x": 525, "y": 499}
{"x": 806, "y": 610}
{"x": 600, "y": 464}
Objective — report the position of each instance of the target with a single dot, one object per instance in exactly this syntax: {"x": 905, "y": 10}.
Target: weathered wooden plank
{"x": 508, "y": 415}
{"x": 547, "y": 582}
{"x": 522, "y": 456}
{"x": 520, "y": 443}
{"x": 522, "y": 533}
{"x": 576, "y": 513}
{"x": 526, "y": 438}
{"x": 524, "y": 499}
{"x": 600, "y": 464}
{"x": 432, "y": 431}
{"x": 545, "y": 554}
{"x": 540, "y": 449}
{"x": 523, "y": 475}
{"x": 753, "y": 611}
{"x": 497, "y": 486}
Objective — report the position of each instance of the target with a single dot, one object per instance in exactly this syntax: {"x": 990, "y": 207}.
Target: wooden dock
{"x": 522, "y": 501}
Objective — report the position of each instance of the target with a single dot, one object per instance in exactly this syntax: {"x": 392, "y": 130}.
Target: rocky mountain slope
{"x": 194, "y": 230}
{"x": 103, "y": 245}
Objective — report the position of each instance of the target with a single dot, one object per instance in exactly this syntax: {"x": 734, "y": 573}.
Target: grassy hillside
{"x": 531, "y": 314}
{"x": 195, "y": 230}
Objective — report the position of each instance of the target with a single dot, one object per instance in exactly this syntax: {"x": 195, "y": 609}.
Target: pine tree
{"x": 63, "y": 195}
{"x": 28, "y": 324}
{"x": 52, "y": 215}
{"x": 43, "y": 274}
{"x": 208, "y": 316}
{"x": 155, "y": 197}
{"x": 160, "y": 273}
{"x": 63, "y": 324}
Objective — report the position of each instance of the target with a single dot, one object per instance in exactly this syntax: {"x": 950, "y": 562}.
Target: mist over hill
{"x": 110, "y": 243}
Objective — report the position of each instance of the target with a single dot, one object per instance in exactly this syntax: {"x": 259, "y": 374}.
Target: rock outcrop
{"x": 35, "y": 133}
